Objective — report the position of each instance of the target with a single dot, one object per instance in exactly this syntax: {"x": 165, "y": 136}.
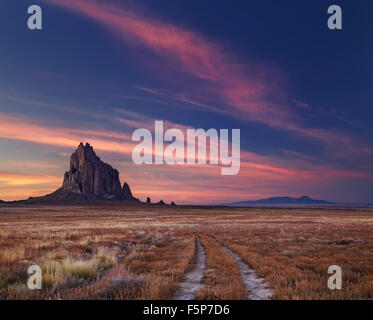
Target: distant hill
{"x": 304, "y": 200}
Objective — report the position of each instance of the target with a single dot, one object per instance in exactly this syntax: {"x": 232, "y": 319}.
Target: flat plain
{"x": 114, "y": 251}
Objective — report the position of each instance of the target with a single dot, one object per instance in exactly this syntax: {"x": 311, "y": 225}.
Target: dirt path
{"x": 257, "y": 290}
{"x": 193, "y": 279}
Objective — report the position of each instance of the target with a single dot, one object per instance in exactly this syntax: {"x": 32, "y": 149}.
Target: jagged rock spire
{"x": 90, "y": 176}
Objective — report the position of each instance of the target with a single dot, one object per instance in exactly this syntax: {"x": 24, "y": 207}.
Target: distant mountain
{"x": 280, "y": 201}
{"x": 1, "y": 201}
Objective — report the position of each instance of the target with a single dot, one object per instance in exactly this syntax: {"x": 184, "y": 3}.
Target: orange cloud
{"x": 14, "y": 186}
{"x": 204, "y": 184}
{"x": 13, "y": 179}
{"x": 20, "y": 128}
{"x": 259, "y": 175}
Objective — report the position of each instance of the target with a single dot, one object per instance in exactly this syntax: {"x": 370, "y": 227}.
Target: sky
{"x": 301, "y": 94}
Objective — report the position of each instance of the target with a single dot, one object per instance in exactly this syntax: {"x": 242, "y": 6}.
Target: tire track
{"x": 193, "y": 279}
{"x": 256, "y": 288}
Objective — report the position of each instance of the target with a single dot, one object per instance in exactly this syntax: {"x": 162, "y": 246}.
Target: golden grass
{"x": 118, "y": 252}
{"x": 222, "y": 279}
{"x": 55, "y": 271}
{"x": 12, "y": 255}
{"x": 162, "y": 266}
{"x": 295, "y": 262}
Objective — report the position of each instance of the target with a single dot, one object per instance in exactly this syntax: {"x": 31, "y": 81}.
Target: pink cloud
{"x": 259, "y": 176}
{"x": 24, "y": 129}
{"x": 242, "y": 87}
{"x": 190, "y": 52}
{"x": 15, "y": 179}
{"x": 203, "y": 184}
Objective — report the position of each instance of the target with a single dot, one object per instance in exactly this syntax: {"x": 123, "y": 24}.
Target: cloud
{"x": 254, "y": 167}
{"x": 199, "y": 184}
{"x": 180, "y": 98}
{"x": 24, "y": 129}
{"x": 301, "y": 104}
{"x": 245, "y": 91}
{"x": 15, "y": 186}
{"x": 188, "y": 50}
{"x": 14, "y": 179}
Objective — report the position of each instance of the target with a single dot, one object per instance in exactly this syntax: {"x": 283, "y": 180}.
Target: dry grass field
{"x": 142, "y": 252}
{"x": 222, "y": 278}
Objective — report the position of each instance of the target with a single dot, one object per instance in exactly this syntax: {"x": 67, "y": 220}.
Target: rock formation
{"x": 89, "y": 178}
{"x": 127, "y": 191}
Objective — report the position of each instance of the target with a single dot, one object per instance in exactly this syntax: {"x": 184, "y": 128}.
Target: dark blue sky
{"x": 308, "y": 111}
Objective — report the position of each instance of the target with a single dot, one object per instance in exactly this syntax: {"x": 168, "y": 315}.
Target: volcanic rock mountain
{"x": 89, "y": 179}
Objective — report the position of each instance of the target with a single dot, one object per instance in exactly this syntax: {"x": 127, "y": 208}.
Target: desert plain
{"x": 119, "y": 251}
